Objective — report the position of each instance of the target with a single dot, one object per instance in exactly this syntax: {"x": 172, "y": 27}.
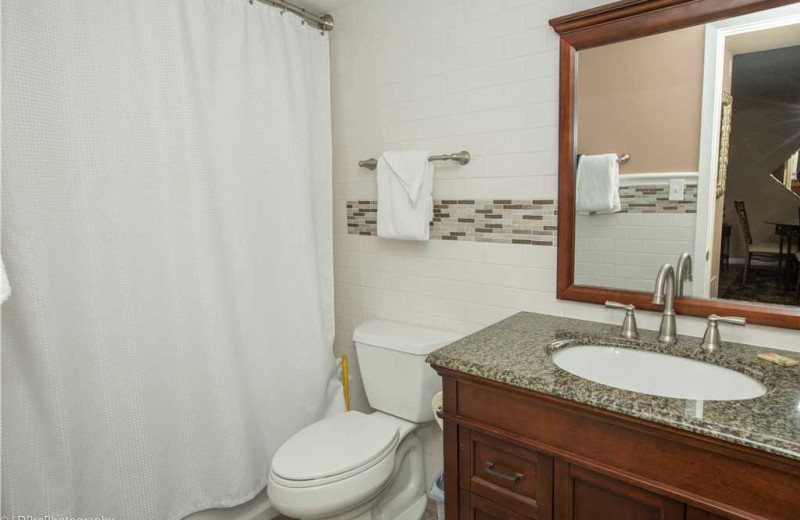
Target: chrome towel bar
{"x": 622, "y": 158}
{"x": 462, "y": 158}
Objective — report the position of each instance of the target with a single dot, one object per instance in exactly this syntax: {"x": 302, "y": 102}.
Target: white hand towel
{"x": 5, "y": 288}
{"x": 598, "y": 184}
{"x": 405, "y": 195}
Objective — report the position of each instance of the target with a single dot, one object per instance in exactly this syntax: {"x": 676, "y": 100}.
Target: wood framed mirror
{"x": 712, "y": 23}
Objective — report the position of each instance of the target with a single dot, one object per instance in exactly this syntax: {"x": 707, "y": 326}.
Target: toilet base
{"x": 415, "y": 512}
{"x": 404, "y": 496}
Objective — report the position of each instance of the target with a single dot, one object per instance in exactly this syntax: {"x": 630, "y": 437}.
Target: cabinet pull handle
{"x": 493, "y": 472}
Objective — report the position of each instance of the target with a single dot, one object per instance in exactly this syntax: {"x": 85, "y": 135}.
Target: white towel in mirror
{"x": 5, "y": 288}
{"x": 598, "y": 184}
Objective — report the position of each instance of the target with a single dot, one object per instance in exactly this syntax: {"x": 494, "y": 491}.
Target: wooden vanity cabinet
{"x": 520, "y": 455}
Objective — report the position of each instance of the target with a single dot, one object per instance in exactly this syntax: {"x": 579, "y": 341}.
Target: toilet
{"x": 367, "y": 466}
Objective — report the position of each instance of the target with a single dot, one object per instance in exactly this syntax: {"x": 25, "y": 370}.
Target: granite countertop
{"x": 517, "y": 351}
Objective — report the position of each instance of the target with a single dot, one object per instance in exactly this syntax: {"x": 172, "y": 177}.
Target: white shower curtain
{"x": 166, "y": 215}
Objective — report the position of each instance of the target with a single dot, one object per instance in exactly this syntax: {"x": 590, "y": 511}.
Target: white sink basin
{"x": 657, "y": 374}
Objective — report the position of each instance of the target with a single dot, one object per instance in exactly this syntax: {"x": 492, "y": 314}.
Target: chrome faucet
{"x": 683, "y": 273}
{"x": 664, "y": 294}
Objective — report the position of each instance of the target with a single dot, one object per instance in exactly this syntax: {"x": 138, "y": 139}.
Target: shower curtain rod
{"x": 322, "y": 22}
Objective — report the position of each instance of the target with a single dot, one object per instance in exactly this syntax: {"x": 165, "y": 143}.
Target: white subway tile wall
{"x": 625, "y": 250}
{"x": 445, "y": 76}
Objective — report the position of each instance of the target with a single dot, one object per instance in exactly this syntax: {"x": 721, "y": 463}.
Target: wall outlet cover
{"x": 677, "y": 187}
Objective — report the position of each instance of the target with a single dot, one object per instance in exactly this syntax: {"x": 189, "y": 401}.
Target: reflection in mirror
{"x": 714, "y": 147}
{"x": 786, "y": 173}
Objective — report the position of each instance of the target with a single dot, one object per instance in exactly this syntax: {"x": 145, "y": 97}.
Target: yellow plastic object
{"x": 345, "y": 383}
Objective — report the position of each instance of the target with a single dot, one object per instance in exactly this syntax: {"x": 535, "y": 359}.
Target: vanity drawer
{"x": 518, "y": 478}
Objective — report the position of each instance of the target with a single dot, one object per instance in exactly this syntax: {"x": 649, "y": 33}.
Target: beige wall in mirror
{"x": 643, "y": 97}
{"x": 647, "y": 98}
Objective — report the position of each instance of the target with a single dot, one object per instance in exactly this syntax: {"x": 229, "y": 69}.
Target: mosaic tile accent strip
{"x": 362, "y": 217}
{"x": 511, "y": 221}
{"x": 655, "y": 199}
{"x": 501, "y": 221}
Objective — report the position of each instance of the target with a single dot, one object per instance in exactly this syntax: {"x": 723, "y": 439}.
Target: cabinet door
{"x": 581, "y": 494}
{"x": 475, "y": 507}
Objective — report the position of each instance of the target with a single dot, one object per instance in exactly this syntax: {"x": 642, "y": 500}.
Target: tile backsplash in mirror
{"x": 655, "y": 199}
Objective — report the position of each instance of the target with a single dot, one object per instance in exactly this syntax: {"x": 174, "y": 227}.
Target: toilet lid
{"x": 335, "y": 445}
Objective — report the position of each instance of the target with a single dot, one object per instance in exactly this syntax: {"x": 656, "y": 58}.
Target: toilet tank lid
{"x": 403, "y": 337}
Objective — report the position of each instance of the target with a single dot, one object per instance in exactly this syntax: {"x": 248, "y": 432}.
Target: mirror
{"x": 688, "y": 142}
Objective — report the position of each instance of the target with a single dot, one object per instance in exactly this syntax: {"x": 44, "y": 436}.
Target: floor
{"x": 762, "y": 286}
{"x": 430, "y": 513}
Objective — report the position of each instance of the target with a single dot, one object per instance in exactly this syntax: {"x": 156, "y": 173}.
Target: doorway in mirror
{"x": 759, "y": 144}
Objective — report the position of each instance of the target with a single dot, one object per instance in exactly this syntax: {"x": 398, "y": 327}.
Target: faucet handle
{"x": 712, "y": 339}
{"x": 624, "y": 306}
{"x": 733, "y": 320}
{"x": 629, "y": 329}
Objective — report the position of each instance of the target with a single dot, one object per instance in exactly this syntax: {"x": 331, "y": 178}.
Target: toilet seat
{"x": 334, "y": 449}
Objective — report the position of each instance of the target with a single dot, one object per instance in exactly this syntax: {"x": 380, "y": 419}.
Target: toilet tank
{"x": 396, "y": 377}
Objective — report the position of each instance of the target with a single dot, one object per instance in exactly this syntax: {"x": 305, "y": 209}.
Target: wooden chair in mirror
{"x": 765, "y": 251}
{"x": 797, "y": 262}
{"x": 797, "y": 287}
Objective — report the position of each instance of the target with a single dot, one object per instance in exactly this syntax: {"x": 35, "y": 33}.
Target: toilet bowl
{"x": 355, "y": 466}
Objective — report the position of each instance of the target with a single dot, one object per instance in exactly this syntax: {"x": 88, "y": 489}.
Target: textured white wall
{"x": 449, "y": 75}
